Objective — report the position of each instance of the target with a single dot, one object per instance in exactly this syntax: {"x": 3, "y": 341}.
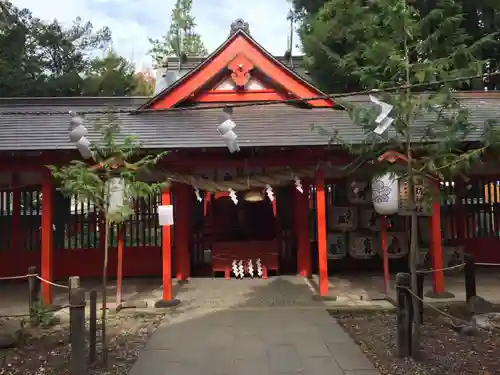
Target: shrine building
{"x": 296, "y": 210}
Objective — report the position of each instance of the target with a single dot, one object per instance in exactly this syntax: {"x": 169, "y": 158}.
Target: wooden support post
{"x": 16, "y": 234}
{"x": 436, "y": 244}
{"x": 47, "y": 250}
{"x": 384, "y": 225}
{"x": 93, "y": 327}
{"x": 119, "y": 266}
{"x": 166, "y": 250}
{"x": 420, "y": 294}
{"x": 78, "y": 365}
{"x": 321, "y": 224}
{"x": 302, "y": 232}
{"x": 470, "y": 277}
{"x": 34, "y": 296}
{"x": 182, "y": 210}
{"x": 404, "y": 320}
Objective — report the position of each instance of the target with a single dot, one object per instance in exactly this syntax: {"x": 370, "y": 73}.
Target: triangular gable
{"x": 233, "y": 60}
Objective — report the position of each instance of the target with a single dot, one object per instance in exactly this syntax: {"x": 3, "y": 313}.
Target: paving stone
{"x": 156, "y": 363}
{"x": 284, "y": 358}
{"x": 250, "y": 334}
{"x": 349, "y": 356}
{"x": 322, "y": 366}
{"x": 245, "y": 366}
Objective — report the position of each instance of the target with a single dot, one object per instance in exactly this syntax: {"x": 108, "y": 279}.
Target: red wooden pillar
{"x": 166, "y": 250}
{"x": 182, "y": 209}
{"x": 47, "y": 250}
{"x": 321, "y": 224}
{"x": 16, "y": 234}
{"x": 119, "y": 271}
{"x": 302, "y": 232}
{"x": 436, "y": 244}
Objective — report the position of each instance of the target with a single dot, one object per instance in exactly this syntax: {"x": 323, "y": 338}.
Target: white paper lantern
{"x": 116, "y": 194}
{"x": 166, "y": 215}
{"x": 83, "y": 146}
{"x": 77, "y": 133}
{"x": 385, "y": 194}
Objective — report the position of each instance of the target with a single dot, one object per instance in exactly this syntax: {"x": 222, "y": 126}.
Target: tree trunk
{"x": 415, "y": 342}
{"x": 105, "y": 295}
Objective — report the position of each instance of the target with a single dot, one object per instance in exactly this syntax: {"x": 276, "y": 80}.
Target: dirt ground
{"x": 443, "y": 350}
{"x": 47, "y": 351}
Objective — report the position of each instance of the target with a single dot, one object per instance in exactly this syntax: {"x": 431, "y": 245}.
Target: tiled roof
{"x": 271, "y": 125}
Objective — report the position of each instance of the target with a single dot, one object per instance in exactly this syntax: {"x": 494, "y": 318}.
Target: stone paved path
{"x": 263, "y": 338}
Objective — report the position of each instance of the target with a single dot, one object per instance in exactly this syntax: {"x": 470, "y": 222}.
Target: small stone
{"x": 487, "y": 321}
{"x": 10, "y": 334}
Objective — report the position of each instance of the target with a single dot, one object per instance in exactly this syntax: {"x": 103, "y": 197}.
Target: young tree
{"x": 115, "y": 160}
{"x": 431, "y": 129}
{"x": 181, "y": 38}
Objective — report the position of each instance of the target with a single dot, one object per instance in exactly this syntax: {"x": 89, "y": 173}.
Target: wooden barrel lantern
{"x": 337, "y": 245}
{"x": 358, "y": 192}
{"x": 343, "y": 219}
{"x": 453, "y": 256}
{"x": 397, "y": 245}
{"x": 369, "y": 219}
{"x": 363, "y": 245}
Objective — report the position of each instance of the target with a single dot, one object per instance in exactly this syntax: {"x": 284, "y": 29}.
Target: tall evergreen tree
{"x": 329, "y": 29}
{"x": 432, "y": 130}
{"x": 181, "y": 38}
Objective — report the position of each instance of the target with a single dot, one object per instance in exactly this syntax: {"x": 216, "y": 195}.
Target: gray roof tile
{"x": 270, "y": 125}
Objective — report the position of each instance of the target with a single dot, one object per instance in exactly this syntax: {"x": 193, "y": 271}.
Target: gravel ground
{"x": 46, "y": 351}
{"x": 444, "y": 351}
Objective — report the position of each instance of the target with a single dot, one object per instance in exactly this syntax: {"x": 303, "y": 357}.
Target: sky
{"x": 133, "y": 21}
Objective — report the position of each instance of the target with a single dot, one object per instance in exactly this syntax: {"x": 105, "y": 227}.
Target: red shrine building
{"x": 328, "y": 227}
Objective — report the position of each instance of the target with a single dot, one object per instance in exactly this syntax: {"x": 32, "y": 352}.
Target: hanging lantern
{"x": 116, "y": 194}
{"x": 385, "y": 194}
{"x": 166, "y": 215}
{"x": 254, "y": 196}
{"x": 83, "y": 146}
